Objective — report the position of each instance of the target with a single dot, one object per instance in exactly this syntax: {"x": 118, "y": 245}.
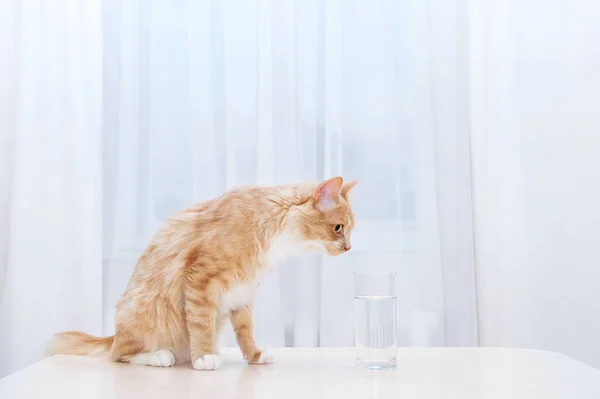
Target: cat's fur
{"x": 204, "y": 266}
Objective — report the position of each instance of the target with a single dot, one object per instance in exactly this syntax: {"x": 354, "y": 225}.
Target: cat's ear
{"x": 347, "y": 187}
{"x": 327, "y": 194}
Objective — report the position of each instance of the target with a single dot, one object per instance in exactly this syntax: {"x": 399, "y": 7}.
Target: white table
{"x": 318, "y": 373}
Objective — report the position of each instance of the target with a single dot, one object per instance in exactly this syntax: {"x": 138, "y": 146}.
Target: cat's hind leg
{"x": 158, "y": 358}
{"x": 128, "y": 348}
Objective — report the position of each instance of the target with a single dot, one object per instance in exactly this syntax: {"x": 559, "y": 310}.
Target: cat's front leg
{"x": 201, "y": 317}
{"x": 241, "y": 320}
{"x": 221, "y": 321}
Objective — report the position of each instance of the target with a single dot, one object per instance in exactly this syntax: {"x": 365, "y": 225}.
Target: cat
{"x": 203, "y": 266}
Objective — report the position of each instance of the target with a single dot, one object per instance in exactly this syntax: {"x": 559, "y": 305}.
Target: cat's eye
{"x": 338, "y": 228}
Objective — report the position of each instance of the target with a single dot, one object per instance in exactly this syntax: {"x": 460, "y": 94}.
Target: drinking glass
{"x": 375, "y": 320}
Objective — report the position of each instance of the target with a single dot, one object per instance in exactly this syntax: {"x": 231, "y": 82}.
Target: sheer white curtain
{"x": 536, "y": 139}
{"x": 50, "y": 176}
{"x": 116, "y": 114}
{"x": 204, "y": 95}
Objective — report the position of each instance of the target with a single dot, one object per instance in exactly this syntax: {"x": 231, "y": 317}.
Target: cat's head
{"x": 327, "y": 220}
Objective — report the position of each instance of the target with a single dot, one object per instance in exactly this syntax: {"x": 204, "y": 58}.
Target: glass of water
{"x": 375, "y": 320}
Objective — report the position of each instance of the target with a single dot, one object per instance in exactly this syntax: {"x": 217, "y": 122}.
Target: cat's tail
{"x": 79, "y": 343}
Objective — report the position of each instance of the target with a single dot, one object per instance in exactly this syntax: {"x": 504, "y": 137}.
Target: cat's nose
{"x": 347, "y": 247}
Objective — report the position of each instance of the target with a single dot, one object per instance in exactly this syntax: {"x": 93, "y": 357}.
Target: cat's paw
{"x": 263, "y": 357}
{"x": 207, "y": 362}
{"x": 165, "y": 358}
{"x": 158, "y": 358}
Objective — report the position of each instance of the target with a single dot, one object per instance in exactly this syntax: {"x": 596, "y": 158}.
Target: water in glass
{"x": 375, "y": 331}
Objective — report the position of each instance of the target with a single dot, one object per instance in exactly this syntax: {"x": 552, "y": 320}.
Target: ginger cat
{"x": 203, "y": 267}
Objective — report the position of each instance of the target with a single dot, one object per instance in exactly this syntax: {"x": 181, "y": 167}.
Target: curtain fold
{"x": 535, "y": 139}
{"x": 52, "y": 206}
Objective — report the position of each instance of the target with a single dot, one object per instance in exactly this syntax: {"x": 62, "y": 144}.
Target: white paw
{"x": 207, "y": 362}
{"x": 167, "y": 359}
{"x": 266, "y": 357}
{"x": 159, "y": 358}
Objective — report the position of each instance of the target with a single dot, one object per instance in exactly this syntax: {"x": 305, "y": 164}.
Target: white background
{"x": 535, "y": 141}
